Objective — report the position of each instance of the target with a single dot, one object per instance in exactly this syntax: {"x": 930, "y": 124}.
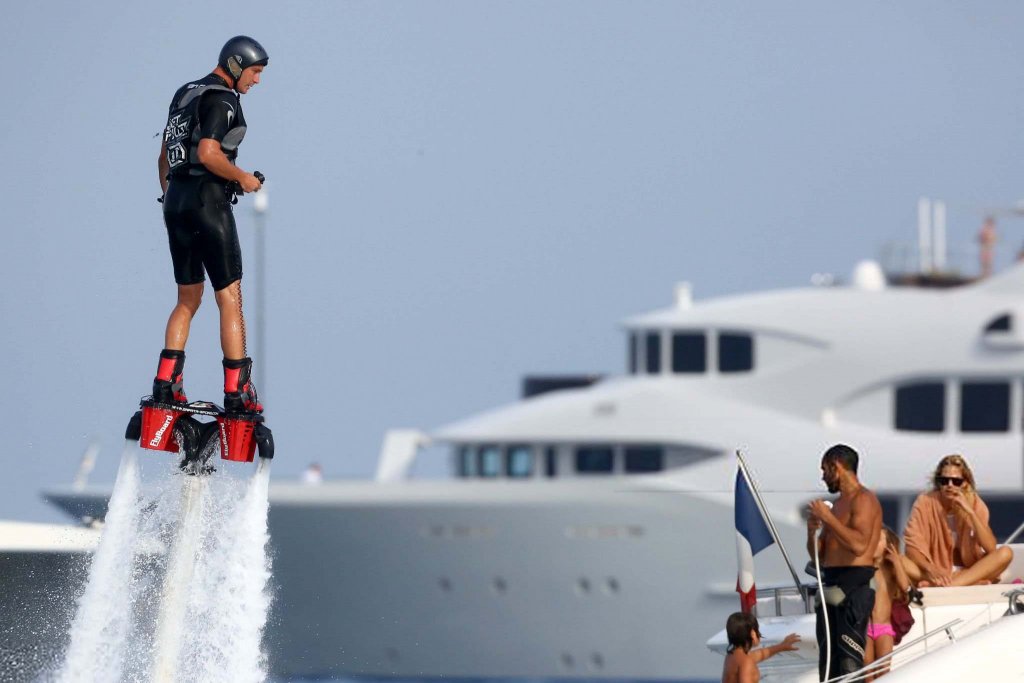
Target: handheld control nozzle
{"x": 235, "y": 188}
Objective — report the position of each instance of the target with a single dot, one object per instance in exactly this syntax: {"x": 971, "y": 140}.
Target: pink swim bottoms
{"x": 876, "y": 631}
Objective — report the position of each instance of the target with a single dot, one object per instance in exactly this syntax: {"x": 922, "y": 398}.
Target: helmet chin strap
{"x": 231, "y": 81}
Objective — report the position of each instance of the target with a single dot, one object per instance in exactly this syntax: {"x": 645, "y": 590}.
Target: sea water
{"x": 178, "y": 588}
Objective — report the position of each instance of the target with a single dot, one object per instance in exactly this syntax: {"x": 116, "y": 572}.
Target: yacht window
{"x": 1003, "y": 323}
{"x": 645, "y": 459}
{"x": 550, "y": 463}
{"x": 891, "y": 510}
{"x": 594, "y": 459}
{"x": 1004, "y": 514}
{"x": 489, "y": 461}
{"x": 735, "y": 352}
{"x": 689, "y": 352}
{"x": 632, "y": 353}
{"x": 520, "y": 461}
{"x": 984, "y": 406}
{"x": 466, "y": 461}
{"x": 921, "y": 407}
{"x": 653, "y": 353}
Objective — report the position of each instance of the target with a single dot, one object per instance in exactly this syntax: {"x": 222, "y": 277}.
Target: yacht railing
{"x": 779, "y": 596}
{"x": 873, "y": 667}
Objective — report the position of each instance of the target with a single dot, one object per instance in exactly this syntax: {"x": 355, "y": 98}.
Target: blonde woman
{"x": 948, "y": 539}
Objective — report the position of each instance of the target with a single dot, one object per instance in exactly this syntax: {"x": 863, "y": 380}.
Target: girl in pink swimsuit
{"x": 890, "y": 579}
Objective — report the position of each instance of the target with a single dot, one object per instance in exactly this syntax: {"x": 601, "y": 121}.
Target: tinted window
{"x": 1005, "y": 515}
{"x": 984, "y": 406}
{"x": 1003, "y": 323}
{"x": 921, "y": 407}
{"x": 466, "y": 462}
{"x": 550, "y": 462}
{"x": 653, "y": 353}
{"x": 594, "y": 459}
{"x": 689, "y": 352}
{"x": 489, "y": 461}
{"x": 632, "y": 353}
{"x": 520, "y": 461}
{"x": 735, "y": 352}
{"x": 645, "y": 459}
{"x": 891, "y": 511}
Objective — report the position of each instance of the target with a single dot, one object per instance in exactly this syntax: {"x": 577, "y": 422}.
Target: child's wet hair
{"x": 738, "y": 627}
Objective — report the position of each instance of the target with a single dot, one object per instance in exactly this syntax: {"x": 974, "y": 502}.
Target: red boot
{"x": 239, "y": 391}
{"x": 168, "y": 384}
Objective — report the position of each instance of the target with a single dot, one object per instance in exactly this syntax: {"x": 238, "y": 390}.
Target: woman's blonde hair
{"x": 954, "y": 460}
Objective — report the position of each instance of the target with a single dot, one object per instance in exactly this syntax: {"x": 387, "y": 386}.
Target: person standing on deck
{"x": 846, "y": 548}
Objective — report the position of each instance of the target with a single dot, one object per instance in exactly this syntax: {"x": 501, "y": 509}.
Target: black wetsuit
{"x": 197, "y": 205}
{"x": 847, "y": 621}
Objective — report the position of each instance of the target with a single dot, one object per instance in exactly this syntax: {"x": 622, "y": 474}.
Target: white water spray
{"x": 103, "y": 620}
{"x": 229, "y": 594}
{"x": 171, "y": 620}
{"x": 178, "y": 589}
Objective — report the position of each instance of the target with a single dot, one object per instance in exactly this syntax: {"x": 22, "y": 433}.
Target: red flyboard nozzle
{"x": 236, "y": 439}
{"x": 158, "y": 429}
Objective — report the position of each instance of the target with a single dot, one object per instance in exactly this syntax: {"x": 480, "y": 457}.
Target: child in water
{"x": 744, "y": 634}
{"x": 891, "y": 583}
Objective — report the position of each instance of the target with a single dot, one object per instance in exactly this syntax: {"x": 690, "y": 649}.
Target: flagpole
{"x": 768, "y": 518}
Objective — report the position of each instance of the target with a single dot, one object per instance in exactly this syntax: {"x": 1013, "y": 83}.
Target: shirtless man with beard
{"x": 850, "y": 533}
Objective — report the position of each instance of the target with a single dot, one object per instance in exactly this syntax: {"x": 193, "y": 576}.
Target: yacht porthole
{"x": 445, "y": 584}
{"x": 567, "y": 660}
{"x": 500, "y": 586}
{"x": 612, "y": 584}
{"x": 597, "y": 660}
{"x": 583, "y": 585}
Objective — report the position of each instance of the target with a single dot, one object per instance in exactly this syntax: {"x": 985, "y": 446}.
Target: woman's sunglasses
{"x": 955, "y": 481}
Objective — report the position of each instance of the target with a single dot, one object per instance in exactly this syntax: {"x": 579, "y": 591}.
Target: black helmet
{"x": 240, "y": 53}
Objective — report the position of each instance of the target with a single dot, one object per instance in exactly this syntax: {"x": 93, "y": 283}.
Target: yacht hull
{"x": 581, "y": 579}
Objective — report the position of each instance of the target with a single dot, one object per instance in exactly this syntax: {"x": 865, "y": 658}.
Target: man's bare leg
{"x": 232, "y": 321}
{"x": 168, "y": 385}
{"x": 987, "y": 569}
{"x": 239, "y": 392}
{"x": 180, "y": 321}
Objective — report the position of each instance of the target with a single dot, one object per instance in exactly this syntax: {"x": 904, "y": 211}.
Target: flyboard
{"x": 196, "y": 431}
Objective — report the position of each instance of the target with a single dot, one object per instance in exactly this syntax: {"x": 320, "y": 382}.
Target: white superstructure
{"x": 587, "y": 532}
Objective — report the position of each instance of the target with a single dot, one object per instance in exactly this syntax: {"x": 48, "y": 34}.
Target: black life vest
{"x": 183, "y": 131}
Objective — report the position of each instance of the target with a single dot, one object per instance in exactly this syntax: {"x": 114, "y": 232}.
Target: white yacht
{"x": 586, "y": 531}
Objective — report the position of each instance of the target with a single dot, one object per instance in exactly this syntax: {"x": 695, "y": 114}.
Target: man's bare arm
{"x": 163, "y": 167}
{"x": 216, "y": 162}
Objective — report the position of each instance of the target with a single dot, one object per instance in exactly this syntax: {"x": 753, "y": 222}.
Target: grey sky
{"x": 464, "y": 192}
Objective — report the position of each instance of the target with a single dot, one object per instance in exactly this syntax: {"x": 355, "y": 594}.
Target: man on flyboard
{"x": 199, "y": 180}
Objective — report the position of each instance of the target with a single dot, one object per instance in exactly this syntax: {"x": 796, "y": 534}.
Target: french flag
{"x": 752, "y": 536}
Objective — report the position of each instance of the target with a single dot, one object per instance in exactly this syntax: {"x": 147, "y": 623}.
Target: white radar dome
{"x": 868, "y": 275}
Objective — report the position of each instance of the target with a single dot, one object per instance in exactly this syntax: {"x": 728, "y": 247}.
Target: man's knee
{"x": 229, "y": 294}
{"x": 190, "y": 296}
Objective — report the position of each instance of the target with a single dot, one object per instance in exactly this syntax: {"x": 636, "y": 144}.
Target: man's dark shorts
{"x": 201, "y": 231}
{"x": 847, "y": 621}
